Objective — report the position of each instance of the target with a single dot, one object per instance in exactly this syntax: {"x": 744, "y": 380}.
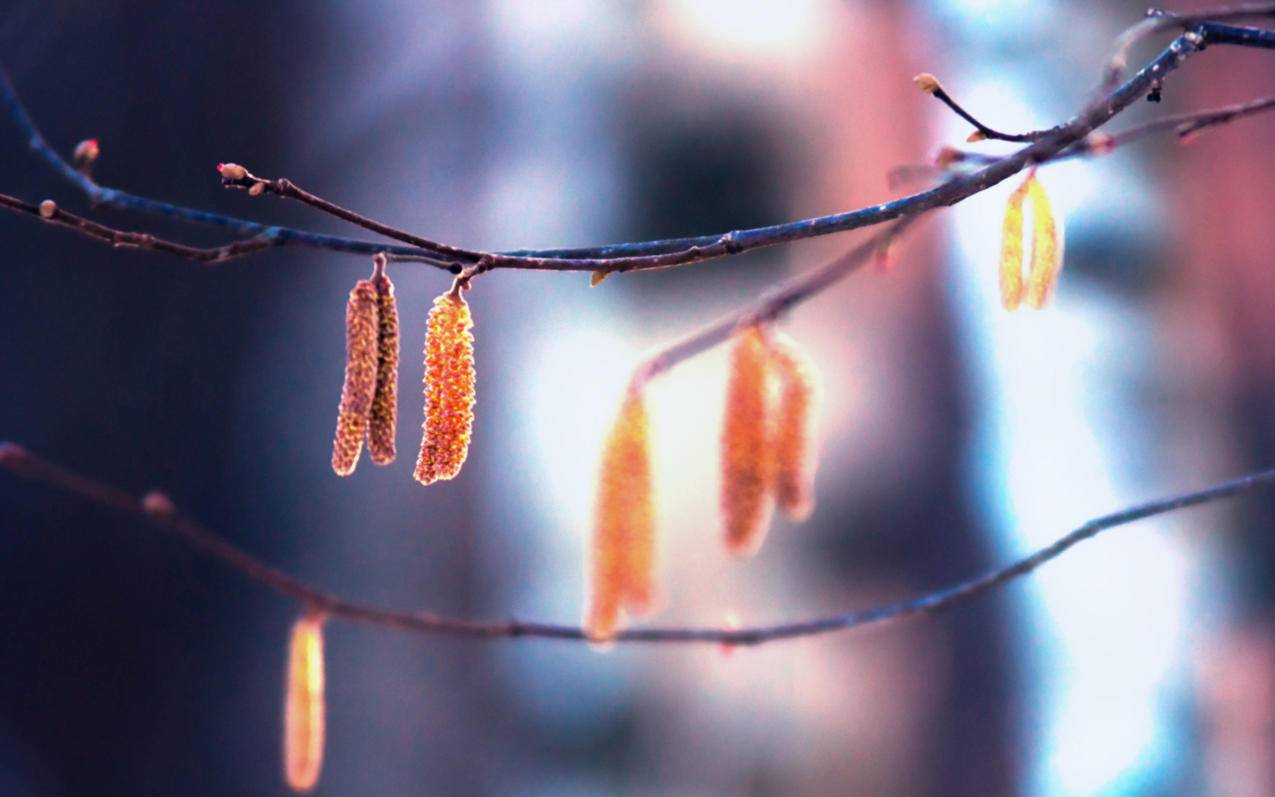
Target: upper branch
{"x": 668, "y": 253}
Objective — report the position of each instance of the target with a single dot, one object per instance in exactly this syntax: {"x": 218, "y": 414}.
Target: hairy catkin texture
{"x": 360, "y": 378}
{"x": 794, "y": 440}
{"x": 303, "y": 708}
{"x": 1011, "y": 269}
{"x": 622, "y": 552}
{"x": 382, "y": 423}
{"x": 748, "y": 460}
{"x": 449, "y": 390}
{"x": 1047, "y": 247}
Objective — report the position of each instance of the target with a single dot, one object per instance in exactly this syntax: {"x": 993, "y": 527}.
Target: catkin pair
{"x": 1046, "y": 253}
{"x": 449, "y": 389}
{"x": 621, "y": 563}
{"x": 369, "y": 396}
{"x": 767, "y": 445}
{"x": 304, "y": 718}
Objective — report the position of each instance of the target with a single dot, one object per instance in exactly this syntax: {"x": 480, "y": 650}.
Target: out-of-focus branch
{"x": 1159, "y": 20}
{"x": 160, "y": 512}
{"x": 778, "y": 301}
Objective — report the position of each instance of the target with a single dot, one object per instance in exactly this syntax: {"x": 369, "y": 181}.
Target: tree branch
{"x": 159, "y": 511}
{"x": 674, "y": 252}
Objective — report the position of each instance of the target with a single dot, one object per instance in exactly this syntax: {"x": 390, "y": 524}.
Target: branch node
{"x": 13, "y": 456}
{"x": 159, "y": 507}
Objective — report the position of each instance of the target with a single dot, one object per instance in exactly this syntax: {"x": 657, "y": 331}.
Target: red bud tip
{"x": 158, "y": 506}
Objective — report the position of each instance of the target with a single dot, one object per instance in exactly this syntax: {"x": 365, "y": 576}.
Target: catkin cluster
{"x": 369, "y": 395}
{"x": 767, "y": 458}
{"x": 449, "y": 389}
{"x": 303, "y": 707}
{"x": 1046, "y": 252}
{"x": 767, "y": 441}
{"x": 622, "y": 560}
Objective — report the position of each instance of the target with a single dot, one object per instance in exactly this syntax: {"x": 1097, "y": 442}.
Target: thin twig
{"x": 779, "y": 300}
{"x": 160, "y": 512}
{"x": 49, "y": 211}
{"x": 1160, "y": 20}
{"x": 1185, "y": 125}
{"x": 931, "y": 85}
{"x": 99, "y": 195}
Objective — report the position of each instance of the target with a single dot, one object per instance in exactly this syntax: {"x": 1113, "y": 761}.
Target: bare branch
{"x": 160, "y": 512}
{"x": 49, "y": 211}
{"x": 669, "y": 253}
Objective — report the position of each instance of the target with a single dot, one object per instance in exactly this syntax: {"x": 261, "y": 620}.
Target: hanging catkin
{"x": 1011, "y": 268}
{"x": 622, "y": 550}
{"x": 360, "y": 377}
{"x": 747, "y": 456}
{"x": 1047, "y": 247}
{"x": 794, "y": 442}
{"x": 382, "y": 422}
{"x": 449, "y": 389}
{"x": 303, "y": 709}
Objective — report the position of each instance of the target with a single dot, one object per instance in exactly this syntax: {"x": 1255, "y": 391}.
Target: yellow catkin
{"x": 382, "y": 423}
{"x": 1047, "y": 247}
{"x": 747, "y": 456}
{"x": 1011, "y": 271}
{"x": 360, "y": 378}
{"x": 449, "y": 389}
{"x": 622, "y": 553}
{"x": 794, "y": 441}
{"x": 303, "y": 709}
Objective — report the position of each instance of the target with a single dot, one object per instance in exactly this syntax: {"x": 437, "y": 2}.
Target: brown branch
{"x": 1159, "y": 20}
{"x": 777, "y": 301}
{"x": 159, "y": 511}
{"x": 678, "y": 252}
{"x": 49, "y": 211}
{"x": 1184, "y": 125}
{"x": 931, "y": 85}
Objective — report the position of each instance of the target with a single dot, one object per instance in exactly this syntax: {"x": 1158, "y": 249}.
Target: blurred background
{"x": 955, "y": 437}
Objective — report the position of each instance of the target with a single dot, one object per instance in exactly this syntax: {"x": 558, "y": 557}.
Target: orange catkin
{"x": 621, "y": 561}
{"x": 382, "y": 422}
{"x": 748, "y": 461}
{"x": 449, "y": 389}
{"x": 1047, "y": 247}
{"x": 360, "y": 377}
{"x": 1011, "y": 267}
{"x": 794, "y": 441}
{"x": 303, "y": 708}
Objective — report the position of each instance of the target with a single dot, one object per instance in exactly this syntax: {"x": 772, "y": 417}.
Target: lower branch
{"x": 158, "y": 510}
